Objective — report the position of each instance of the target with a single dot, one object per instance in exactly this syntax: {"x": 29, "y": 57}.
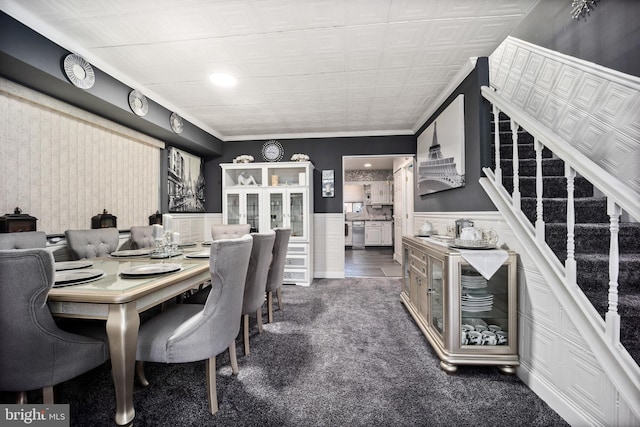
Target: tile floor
{"x": 371, "y": 262}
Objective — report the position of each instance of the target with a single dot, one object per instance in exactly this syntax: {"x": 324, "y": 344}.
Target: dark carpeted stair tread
{"x": 593, "y": 238}
{"x": 587, "y": 209}
{"x": 593, "y": 271}
{"x": 528, "y": 167}
{"x": 552, "y": 186}
{"x": 525, "y": 151}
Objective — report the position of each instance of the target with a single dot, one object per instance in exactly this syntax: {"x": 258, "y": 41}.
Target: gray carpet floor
{"x": 342, "y": 353}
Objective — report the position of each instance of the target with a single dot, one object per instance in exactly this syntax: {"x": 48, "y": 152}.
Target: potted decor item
{"x": 299, "y": 157}
{"x": 243, "y": 158}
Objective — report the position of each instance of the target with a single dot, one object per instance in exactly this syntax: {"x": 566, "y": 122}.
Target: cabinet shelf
{"x": 435, "y": 279}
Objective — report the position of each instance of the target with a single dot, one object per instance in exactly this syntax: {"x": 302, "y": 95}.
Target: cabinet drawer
{"x": 296, "y": 261}
{"x": 419, "y": 255}
{"x": 297, "y": 249}
{"x": 295, "y": 276}
{"x": 418, "y": 265}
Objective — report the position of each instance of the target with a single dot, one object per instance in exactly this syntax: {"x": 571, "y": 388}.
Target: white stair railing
{"x": 618, "y": 197}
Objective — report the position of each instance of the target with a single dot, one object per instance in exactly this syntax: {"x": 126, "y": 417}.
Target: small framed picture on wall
{"x": 328, "y": 184}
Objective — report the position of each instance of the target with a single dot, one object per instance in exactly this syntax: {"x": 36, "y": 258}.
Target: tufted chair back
{"x": 24, "y": 240}
{"x": 229, "y": 231}
{"x": 142, "y": 236}
{"x": 86, "y": 244}
{"x": 35, "y": 352}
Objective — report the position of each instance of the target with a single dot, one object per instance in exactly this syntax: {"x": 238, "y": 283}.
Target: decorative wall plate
{"x": 138, "y": 103}
{"x": 272, "y": 151}
{"x": 78, "y": 71}
{"x": 176, "y": 123}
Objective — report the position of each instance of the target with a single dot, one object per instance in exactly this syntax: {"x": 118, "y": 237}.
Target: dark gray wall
{"x": 32, "y": 60}
{"x": 325, "y": 153}
{"x": 477, "y": 145}
{"x": 608, "y": 36}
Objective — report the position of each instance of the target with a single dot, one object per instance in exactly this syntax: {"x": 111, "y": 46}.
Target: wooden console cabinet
{"x": 448, "y": 298}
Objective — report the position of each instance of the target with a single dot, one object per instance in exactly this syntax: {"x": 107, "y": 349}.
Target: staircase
{"x": 592, "y": 230}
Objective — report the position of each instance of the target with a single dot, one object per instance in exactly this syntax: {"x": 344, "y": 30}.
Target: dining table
{"x": 131, "y": 282}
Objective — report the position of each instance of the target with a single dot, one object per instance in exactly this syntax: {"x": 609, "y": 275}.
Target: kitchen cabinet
{"x": 372, "y": 233}
{"x": 387, "y": 233}
{"x": 453, "y": 305}
{"x": 378, "y": 193}
{"x": 274, "y": 195}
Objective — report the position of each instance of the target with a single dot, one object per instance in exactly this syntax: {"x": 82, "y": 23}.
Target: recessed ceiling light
{"x": 222, "y": 79}
{"x": 367, "y": 165}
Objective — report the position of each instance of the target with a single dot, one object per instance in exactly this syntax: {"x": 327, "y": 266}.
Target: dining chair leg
{"x": 233, "y": 358}
{"x": 142, "y": 379}
{"x": 259, "y": 321}
{"x": 279, "y": 294}
{"x": 212, "y": 395}
{"x": 246, "y": 334}
{"x": 21, "y": 398}
{"x": 270, "y": 307}
{"x": 47, "y": 395}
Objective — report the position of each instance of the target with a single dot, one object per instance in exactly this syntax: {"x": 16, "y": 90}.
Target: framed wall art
{"x": 441, "y": 154}
{"x": 185, "y": 186}
{"x": 328, "y": 183}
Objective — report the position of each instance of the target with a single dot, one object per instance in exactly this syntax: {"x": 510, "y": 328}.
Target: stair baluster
{"x": 498, "y": 171}
{"x": 612, "y": 318}
{"x": 516, "y": 171}
{"x": 570, "y": 263}
{"x": 540, "y": 232}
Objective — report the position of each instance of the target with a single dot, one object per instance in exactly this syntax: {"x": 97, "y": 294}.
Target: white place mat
{"x": 486, "y": 262}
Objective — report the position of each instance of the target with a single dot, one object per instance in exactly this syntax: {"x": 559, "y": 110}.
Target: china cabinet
{"x": 274, "y": 195}
{"x": 467, "y": 318}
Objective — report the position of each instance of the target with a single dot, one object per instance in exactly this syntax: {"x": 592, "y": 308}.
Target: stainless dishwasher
{"x": 357, "y": 234}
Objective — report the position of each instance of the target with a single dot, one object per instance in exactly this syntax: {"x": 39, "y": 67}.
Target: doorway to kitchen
{"x": 368, "y": 200}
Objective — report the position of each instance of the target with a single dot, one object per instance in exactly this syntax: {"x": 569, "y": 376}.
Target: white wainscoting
{"x": 328, "y": 245}
{"x": 64, "y": 165}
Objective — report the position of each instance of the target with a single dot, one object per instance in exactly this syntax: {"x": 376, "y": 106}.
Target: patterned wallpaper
{"x": 64, "y": 165}
{"x": 368, "y": 175}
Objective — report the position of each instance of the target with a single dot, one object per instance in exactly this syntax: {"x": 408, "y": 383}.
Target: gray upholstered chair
{"x": 276, "y": 271}
{"x": 86, "y": 244}
{"x": 142, "y": 237}
{"x": 24, "y": 240}
{"x": 35, "y": 353}
{"x": 255, "y": 285}
{"x": 229, "y": 231}
{"x": 193, "y": 332}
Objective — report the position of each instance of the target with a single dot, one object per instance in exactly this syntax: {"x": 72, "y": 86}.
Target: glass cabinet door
{"x": 276, "y": 210}
{"x": 484, "y": 306}
{"x": 436, "y": 290}
{"x": 232, "y": 201}
{"x": 253, "y": 211}
{"x": 296, "y": 213}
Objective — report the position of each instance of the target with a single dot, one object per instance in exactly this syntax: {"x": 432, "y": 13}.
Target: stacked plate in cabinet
{"x": 475, "y": 297}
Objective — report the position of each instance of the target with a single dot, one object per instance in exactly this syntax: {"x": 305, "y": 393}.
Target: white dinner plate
{"x": 187, "y": 244}
{"x": 480, "y": 247}
{"x": 203, "y": 254}
{"x": 72, "y": 265}
{"x": 74, "y": 277}
{"x": 161, "y": 255}
{"x": 132, "y": 252}
{"x": 151, "y": 269}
